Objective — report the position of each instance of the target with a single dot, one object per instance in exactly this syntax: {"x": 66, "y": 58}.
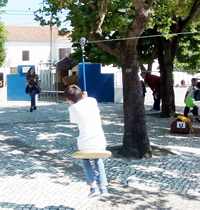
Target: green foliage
{"x": 93, "y": 54}
{"x": 82, "y": 15}
{"x": 3, "y": 3}
{"x": 187, "y": 58}
{"x": 3, "y": 38}
{"x": 3, "y": 35}
{"x": 48, "y": 13}
{"x": 166, "y": 15}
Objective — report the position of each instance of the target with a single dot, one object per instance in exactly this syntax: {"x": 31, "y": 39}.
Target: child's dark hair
{"x": 194, "y": 79}
{"x": 74, "y": 93}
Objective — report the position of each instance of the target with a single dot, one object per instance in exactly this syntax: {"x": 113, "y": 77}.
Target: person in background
{"x": 190, "y": 94}
{"x": 142, "y": 89}
{"x": 32, "y": 80}
{"x": 153, "y": 82}
{"x": 183, "y": 83}
{"x": 84, "y": 111}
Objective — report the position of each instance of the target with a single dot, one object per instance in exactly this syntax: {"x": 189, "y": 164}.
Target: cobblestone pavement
{"x": 38, "y": 172}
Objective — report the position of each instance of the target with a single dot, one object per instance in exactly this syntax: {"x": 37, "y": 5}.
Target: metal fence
{"x": 48, "y": 75}
{"x": 48, "y": 82}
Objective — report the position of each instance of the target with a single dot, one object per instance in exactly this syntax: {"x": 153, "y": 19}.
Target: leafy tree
{"x": 3, "y": 3}
{"x": 3, "y": 36}
{"x": 187, "y": 57}
{"x": 171, "y": 17}
{"x": 100, "y": 20}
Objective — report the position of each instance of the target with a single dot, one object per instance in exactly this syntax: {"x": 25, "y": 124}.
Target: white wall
{"x": 38, "y": 52}
{"x": 179, "y": 96}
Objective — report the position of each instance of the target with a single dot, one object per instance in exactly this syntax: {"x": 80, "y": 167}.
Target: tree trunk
{"x": 135, "y": 142}
{"x": 166, "y": 74}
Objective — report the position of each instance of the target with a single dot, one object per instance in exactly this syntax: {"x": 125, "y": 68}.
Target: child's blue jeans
{"x": 89, "y": 173}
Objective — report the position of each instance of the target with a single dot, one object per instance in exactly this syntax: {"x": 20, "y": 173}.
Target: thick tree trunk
{"x": 136, "y": 142}
{"x": 166, "y": 72}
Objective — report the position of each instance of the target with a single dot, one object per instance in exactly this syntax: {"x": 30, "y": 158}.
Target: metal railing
{"x": 48, "y": 82}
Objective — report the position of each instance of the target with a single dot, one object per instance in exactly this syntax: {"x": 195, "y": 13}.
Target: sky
{"x": 20, "y": 12}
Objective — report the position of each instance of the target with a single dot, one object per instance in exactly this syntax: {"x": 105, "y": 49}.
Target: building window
{"x": 13, "y": 70}
{"x": 64, "y": 52}
{"x": 25, "y": 55}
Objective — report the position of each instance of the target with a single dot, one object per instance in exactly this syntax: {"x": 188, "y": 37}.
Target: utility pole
{"x": 51, "y": 41}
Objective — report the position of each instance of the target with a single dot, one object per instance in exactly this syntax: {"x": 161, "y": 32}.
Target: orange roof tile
{"x": 33, "y": 34}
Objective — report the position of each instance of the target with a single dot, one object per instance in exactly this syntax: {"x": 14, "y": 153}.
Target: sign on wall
{"x": 25, "y": 69}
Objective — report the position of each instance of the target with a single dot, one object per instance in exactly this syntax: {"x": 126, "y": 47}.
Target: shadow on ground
{"x": 125, "y": 197}
{"x": 7, "y": 205}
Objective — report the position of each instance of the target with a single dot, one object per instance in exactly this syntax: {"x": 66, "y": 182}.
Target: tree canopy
{"x": 3, "y": 3}
{"x": 187, "y": 57}
{"x": 165, "y": 17}
{"x": 169, "y": 20}
{"x": 82, "y": 17}
{"x": 3, "y": 36}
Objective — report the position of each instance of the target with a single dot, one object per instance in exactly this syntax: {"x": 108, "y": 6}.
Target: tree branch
{"x": 136, "y": 28}
{"x": 141, "y": 65}
{"x": 102, "y": 11}
{"x": 193, "y": 13}
{"x": 96, "y": 33}
{"x": 142, "y": 15}
{"x": 181, "y": 25}
{"x": 104, "y": 46}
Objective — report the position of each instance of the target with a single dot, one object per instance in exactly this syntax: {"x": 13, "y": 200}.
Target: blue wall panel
{"x": 16, "y": 86}
{"x": 98, "y": 85}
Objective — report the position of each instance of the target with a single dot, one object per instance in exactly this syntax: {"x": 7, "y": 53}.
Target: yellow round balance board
{"x": 92, "y": 154}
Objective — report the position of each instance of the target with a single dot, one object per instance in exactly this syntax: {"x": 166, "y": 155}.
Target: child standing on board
{"x": 84, "y": 111}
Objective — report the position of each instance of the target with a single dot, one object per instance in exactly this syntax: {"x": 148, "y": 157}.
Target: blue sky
{"x": 20, "y": 12}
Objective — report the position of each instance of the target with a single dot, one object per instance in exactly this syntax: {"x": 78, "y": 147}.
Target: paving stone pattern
{"x": 38, "y": 172}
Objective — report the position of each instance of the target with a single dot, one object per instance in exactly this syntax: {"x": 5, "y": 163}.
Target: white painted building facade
{"x": 32, "y": 45}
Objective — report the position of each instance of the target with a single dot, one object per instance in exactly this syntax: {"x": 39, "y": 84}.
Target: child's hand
{"x": 85, "y": 94}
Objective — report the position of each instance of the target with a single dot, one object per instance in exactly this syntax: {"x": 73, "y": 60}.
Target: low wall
{"x": 179, "y": 95}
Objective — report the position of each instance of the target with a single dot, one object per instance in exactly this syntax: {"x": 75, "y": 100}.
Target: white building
{"x": 31, "y": 45}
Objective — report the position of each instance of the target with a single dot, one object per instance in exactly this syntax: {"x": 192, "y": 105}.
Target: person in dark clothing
{"x": 153, "y": 82}
{"x": 196, "y": 98}
{"x": 32, "y": 80}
